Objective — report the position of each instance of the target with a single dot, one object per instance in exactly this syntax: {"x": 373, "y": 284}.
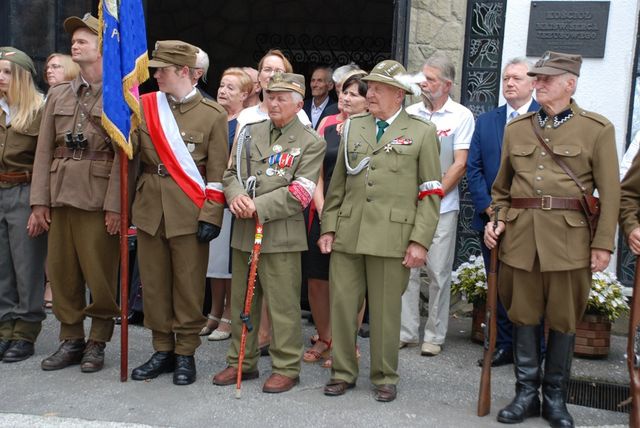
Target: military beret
{"x": 89, "y": 21}
{"x": 287, "y": 82}
{"x": 554, "y": 63}
{"x": 173, "y": 52}
{"x": 18, "y": 57}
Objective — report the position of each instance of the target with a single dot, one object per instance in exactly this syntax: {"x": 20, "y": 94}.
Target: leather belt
{"x": 82, "y": 154}
{"x": 162, "y": 171}
{"x": 547, "y": 202}
{"x": 15, "y": 177}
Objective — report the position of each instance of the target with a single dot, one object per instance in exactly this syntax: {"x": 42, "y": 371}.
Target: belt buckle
{"x": 162, "y": 170}
{"x": 545, "y": 202}
{"x": 77, "y": 157}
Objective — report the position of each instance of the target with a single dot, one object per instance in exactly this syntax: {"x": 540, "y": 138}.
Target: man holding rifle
{"x": 552, "y": 161}
{"x": 278, "y": 162}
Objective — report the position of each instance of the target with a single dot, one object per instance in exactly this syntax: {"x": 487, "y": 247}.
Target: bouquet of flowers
{"x": 605, "y": 297}
{"x": 470, "y": 280}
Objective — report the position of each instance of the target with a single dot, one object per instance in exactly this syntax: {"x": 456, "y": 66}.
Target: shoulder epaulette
{"x": 594, "y": 116}
{"x": 213, "y": 104}
{"x": 313, "y": 132}
{"x": 420, "y": 118}
{"x": 356, "y": 116}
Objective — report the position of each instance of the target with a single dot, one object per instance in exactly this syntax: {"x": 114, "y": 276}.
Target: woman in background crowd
{"x": 60, "y": 68}
{"x": 235, "y": 86}
{"x": 23, "y": 244}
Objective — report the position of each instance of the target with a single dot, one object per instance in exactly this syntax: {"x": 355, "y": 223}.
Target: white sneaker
{"x": 404, "y": 344}
{"x": 430, "y": 349}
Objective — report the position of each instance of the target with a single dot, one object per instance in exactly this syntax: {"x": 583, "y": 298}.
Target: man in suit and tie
{"x": 320, "y": 104}
{"x": 482, "y": 166}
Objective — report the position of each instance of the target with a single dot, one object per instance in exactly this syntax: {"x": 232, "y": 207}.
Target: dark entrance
{"x": 238, "y": 33}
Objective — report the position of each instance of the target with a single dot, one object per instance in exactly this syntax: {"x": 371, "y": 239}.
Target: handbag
{"x": 590, "y": 204}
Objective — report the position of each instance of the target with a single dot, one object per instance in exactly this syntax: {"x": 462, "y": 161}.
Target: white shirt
{"x": 7, "y": 111}
{"x": 629, "y": 155}
{"x": 522, "y": 110}
{"x": 316, "y": 112}
{"x": 254, "y": 114}
{"x": 455, "y": 125}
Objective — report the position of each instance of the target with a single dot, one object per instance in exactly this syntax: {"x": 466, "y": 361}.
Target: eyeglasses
{"x": 53, "y": 67}
{"x": 272, "y": 70}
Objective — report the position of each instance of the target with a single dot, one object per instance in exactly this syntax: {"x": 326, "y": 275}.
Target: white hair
{"x": 202, "y": 62}
{"x": 296, "y": 97}
{"x": 342, "y": 71}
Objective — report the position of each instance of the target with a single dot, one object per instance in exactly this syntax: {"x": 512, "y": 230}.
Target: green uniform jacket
{"x": 377, "y": 212}
{"x": 560, "y": 238}
{"x": 17, "y": 149}
{"x": 202, "y": 122}
{"x": 278, "y": 210}
{"x": 630, "y": 200}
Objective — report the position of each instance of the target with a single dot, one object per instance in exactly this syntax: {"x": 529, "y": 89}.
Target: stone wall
{"x": 437, "y": 25}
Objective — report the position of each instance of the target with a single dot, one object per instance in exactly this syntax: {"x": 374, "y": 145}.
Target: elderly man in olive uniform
{"x": 177, "y": 208}
{"x": 75, "y": 196}
{"x": 547, "y": 254}
{"x": 284, "y": 163}
{"x": 379, "y": 219}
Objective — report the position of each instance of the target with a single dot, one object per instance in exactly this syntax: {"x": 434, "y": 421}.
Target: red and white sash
{"x": 166, "y": 138}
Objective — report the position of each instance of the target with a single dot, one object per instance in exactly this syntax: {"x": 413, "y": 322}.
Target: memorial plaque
{"x": 578, "y": 27}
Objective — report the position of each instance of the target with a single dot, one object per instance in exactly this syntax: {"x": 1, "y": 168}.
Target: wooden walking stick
{"x": 484, "y": 396}
{"x": 245, "y": 316}
{"x": 633, "y": 348}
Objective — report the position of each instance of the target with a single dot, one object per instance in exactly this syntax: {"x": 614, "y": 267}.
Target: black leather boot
{"x": 185, "y": 372}
{"x": 4, "y": 346}
{"x": 526, "y": 361}
{"x": 557, "y": 370}
{"x": 18, "y": 351}
{"x": 160, "y": 362}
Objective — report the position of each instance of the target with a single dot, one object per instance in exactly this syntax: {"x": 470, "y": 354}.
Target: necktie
{"x": 513, "y": 115}
{"x": 382, "y": 125}
{"x": 275, "y": 134}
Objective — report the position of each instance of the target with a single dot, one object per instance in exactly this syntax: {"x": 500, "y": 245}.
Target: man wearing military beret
{"x": 75, "y": 195}
{"x": 177, "y": 208}
{"x": 283, "y": 159}
{"x": 378, "y": 221}
{"x": 548, "y": 252}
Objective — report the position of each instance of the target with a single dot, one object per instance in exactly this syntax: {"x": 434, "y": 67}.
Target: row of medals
{"x": 278, "y": 161}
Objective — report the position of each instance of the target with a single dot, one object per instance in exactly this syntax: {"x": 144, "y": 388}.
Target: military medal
{"x": 191, "y": 147}
{"x": 387, "y": 148}
{"x": 277, "y": 148}
{"x": 295, "y": 151}
{"x": 270, "y": 172}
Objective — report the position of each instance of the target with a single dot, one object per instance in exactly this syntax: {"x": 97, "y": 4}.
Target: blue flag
{"x": 124, "y": 67}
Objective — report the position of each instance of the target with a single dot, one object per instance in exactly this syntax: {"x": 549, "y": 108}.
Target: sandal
{"x": 206, "y": 330}
{"x": 218, "y": 334}
{"x": 313, "y": 356}
{"x": 329, "y": 361}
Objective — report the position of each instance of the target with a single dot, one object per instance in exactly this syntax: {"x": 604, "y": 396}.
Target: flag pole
{"x": 124, "y": 266}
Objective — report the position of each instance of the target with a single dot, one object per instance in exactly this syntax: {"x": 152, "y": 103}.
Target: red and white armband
{"x": 430, "y": 188}
{"x": 213, "y": 192}
{"x": 302, "y": 189}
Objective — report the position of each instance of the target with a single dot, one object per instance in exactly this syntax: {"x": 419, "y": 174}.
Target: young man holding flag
{"x": 177, "y": 208}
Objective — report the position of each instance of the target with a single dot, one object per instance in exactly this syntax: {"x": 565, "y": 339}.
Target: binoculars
{"x": 76, "y": 142}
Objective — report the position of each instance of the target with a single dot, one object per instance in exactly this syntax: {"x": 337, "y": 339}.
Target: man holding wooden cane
{"x": 280, "y": 160}
{"x": 552, "y": 161}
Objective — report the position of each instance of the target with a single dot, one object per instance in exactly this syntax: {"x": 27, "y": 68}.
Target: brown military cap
{"x": 287, "y": 82}
{"x": 387, "y": 72}
{"x": 18, "y": 57}
{"x": 173, "y": 52}
{"x": 72, "y": 23}
{"x": 554, "y": 63}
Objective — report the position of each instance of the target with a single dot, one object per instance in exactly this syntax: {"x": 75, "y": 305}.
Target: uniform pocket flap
{"x": 192, "y": 136}
{"x": 64, "y": 108}
{"x": 512, "y": 214}
{"x": 100, "y": 169}
{"x": 523, "y": 149}
{"x": 400, "y": 215}
{"x": 575, "y": 219}
{"x": 345, "y": 211}
{"x": 566, "y": 150}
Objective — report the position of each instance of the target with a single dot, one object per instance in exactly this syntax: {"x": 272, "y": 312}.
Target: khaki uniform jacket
{"x": 85, "y": 184}
{"x": 630, "y": 199}
{"x": 560, "y": 238}
{"x": 18, "y": 149}
{"x": 377, "y": 212}
{"x": 203, "y": 123}
{"x": 277, "y": 209}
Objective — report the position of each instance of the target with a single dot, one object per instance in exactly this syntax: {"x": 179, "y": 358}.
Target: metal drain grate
{"x": 599, "y": 395}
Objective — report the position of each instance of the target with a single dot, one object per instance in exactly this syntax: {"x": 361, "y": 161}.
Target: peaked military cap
{"x": 89, "y": 21}
{"x": 554, "y": 63}
{"x": 287, "y": 82}
{"x": 173, "y": 52}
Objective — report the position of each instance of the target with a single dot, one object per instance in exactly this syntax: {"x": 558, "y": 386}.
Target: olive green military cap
{"x": 387, "y": 72}
{"x": 287, "y": 82}
{"x": 89, "y": 21}
{"x": 554, "y": 63}
{"x": 18, "y": 57}
{"x": 173, "y": 52}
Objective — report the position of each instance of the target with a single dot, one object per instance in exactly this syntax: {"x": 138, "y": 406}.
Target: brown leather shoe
{"x": 278, "y": 383}
{"x": 93, "y": 358}
{"x": 337, "y": 387}
{"x": 385, "y": 393}
{"x": 69, "y": 352}
{"x": 228, "y": 376}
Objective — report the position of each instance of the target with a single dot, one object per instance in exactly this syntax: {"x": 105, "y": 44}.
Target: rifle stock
{"x": 484, "y": 396}
{"x": 633, "y": 359}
